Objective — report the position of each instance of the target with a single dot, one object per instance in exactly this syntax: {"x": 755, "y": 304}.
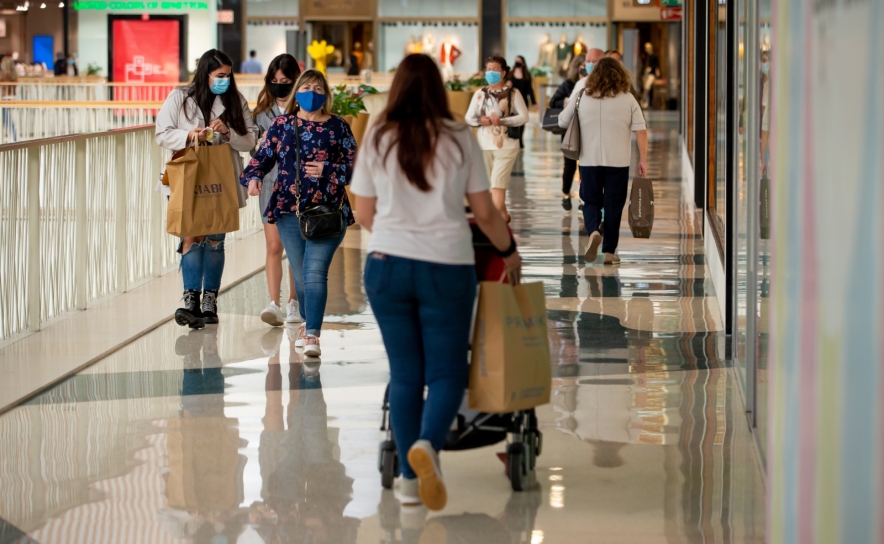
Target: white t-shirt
{"x": 425, "y": 226}
{"x": 606, "y": 126}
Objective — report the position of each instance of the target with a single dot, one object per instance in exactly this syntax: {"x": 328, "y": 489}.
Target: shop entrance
{"x": 353, "y": 42}
{"x": 652, "y": 53}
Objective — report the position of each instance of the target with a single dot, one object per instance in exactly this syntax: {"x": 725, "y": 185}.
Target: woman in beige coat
{"x": 210, "y": 101}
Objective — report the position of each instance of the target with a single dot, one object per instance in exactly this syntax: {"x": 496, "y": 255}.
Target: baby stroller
{"x": 473, "y": 429}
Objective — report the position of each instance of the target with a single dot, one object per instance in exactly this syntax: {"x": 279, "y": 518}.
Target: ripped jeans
{"x": 203, "y": 263}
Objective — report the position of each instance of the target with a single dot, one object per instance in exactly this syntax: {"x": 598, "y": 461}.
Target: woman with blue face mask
{"x": 494, "y": 109}
{"x": 314, "y": 151}
{"x": 210, "y": 101}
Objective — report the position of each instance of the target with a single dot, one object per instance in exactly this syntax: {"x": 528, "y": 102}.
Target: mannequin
{"x": 547, "y": 53}
{"x": 563, "y": 55}
{"x": 448, "y": 55}
{"x": 357, "y": 52}
{"x": 650, "y": 73}
{"x": 368, "y": 58}
{"x": 579, "y": 46}
{"x": 428, "y": 46}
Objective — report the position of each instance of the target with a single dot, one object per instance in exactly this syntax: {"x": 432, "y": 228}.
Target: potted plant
{"x": 458, "y": 97}
{"x": 540, "y": 76}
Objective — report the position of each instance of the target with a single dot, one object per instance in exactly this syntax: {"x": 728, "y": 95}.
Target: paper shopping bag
{"x": 203, "y": 189}
{"x": 510, "y": 368}
{"x": 641, "y": 208}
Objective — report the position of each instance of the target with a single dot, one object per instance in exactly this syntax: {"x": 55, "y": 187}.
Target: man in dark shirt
{"x": 61, "y": 64}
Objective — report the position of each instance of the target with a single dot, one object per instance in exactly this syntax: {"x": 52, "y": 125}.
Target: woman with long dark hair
{"x": 210, "y": 101}
{"x": 279, "y": 84}
{"x": 314, "y": 151}
{"x": 413, "y": 173}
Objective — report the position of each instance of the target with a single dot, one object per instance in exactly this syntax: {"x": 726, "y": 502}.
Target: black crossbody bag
{"x": 320, "y": 221}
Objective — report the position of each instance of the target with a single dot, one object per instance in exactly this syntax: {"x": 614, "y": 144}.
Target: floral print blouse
{"x": 330, "y": 141}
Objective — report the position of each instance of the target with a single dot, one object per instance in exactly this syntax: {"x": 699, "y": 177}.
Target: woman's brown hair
{"x": 292, "y": 70}
{"x": 608, "y": 79}
{"x": 415, "y": 114}
{"x": 574, "y": 67}
{"x": 311, "y": 76}
{"x": 503, "y": 65}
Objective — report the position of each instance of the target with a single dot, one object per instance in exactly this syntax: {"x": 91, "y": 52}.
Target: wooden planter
{"x": 358, "y": 125}
{"x": 459, "y": 103}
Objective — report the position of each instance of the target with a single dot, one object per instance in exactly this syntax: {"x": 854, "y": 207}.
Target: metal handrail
{"x": 80, "y": 220}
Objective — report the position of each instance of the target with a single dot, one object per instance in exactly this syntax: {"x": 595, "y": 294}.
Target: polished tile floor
{"x": 228, "y": 436}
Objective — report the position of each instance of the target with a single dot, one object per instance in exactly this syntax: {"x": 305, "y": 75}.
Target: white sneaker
{"x": 294, "y": 316}
{"x": 408, "y": 492}
{"x": 302, "y": 336}
{"x": 311, "y": 346}
{"x": 272, "y": 315}
{"x": 425, "y": 462}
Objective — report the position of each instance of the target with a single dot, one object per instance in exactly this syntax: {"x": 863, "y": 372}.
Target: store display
{"x": 449, "y": 54}
{"x": 563, "y": 55}
{"x": 547, "y": 53}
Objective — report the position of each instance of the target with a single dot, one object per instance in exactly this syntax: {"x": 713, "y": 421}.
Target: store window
{"x": 552, "y": 44}
{"x": 560, "y": 8}
{"x": 271, "y": 8}
{"x": 458, "y": 40}
{"x": 428, "y": 8}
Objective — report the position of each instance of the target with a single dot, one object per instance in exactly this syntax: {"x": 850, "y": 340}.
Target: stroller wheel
{"x": 389, "y": 465}
{"x": 516, "y": 466}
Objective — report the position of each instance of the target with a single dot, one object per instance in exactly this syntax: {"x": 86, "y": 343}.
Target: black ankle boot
{"x": 190, "y": 315}
{"x": 210, "y": 307}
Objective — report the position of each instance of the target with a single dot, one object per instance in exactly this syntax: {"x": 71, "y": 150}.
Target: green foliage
{"x": 349, "y": 102}
{"x": 478, "y": 80}
{"x": 455, "y": 84}
{"x": 545, "y": 71}
{"x": 93, "y": 69}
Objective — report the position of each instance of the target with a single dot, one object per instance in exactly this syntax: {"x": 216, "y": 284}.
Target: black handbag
{"x": 320, "y": 221}
{"x": 551, "y": 121}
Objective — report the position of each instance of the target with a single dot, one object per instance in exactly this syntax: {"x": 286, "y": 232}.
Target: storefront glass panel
{"x": 428, "y": 8}
{"x": 561, "y": 8}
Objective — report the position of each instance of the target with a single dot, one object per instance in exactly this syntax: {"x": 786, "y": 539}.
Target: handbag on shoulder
{"x": 571, "y": 142}
{"x": 551, "y": 121}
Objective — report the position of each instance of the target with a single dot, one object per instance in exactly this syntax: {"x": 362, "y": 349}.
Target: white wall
{"x": 267, "y": 40}
{"x": 466, "y": 38}
{"x": 202, "y": 35}
{"x": 526, "y": 40}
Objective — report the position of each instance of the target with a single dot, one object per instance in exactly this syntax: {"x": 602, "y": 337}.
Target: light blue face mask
{"x": 220, "y": 85}
{"x": 493, "y": 78}
{"x": 765, "y": 68}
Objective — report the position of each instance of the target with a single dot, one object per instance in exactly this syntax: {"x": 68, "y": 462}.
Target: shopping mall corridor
{"x": 226, "y": 435}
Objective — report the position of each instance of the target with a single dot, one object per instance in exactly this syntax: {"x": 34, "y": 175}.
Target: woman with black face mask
{"x": 279, "y": 82}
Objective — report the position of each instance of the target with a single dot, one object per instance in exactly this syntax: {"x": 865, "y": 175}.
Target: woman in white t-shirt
{"x": 495, "y": 109}
{"x": 608, "y": 116}
{"x": 410, "y": 179}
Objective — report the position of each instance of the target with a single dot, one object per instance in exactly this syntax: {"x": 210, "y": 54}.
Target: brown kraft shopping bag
{"x": 203, "y": 192}
{"x": 641, "y": 208}
{"x": 510, "y": 368}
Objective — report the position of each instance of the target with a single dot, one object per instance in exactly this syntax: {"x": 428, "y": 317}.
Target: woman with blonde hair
{"x": 314, "y": 151}
{"x": 608, "y": 115}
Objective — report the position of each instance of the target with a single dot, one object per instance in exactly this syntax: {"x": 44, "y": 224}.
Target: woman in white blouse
{"x": 494, "y": 109}
{"x": 608, "y": 115}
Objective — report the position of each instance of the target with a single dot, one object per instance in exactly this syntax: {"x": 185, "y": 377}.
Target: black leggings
{"x": 568, "y": 175}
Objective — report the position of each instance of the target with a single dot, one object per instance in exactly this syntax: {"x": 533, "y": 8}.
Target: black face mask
{"x": 519, "y": 64}
{"x": 281, "y": 90}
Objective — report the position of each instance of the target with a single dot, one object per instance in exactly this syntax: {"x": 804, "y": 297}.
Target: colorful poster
{"x": 146, "y": 51}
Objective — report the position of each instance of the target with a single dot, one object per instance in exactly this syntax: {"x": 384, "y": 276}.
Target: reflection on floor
{"x": 228, "y": 435}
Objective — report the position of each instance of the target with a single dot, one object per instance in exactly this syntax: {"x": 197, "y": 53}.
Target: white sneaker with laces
{"x": 294, "y": 315}
{"x": 311, "y": 346}
{"x": 272, "y": 315}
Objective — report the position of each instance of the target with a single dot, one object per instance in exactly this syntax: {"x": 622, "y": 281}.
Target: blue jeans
{"x": 309, "y": 261}
{"x": 424, "y": 312}
{"x": 203, "y": 263}
{"x": 604, "y": 187}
